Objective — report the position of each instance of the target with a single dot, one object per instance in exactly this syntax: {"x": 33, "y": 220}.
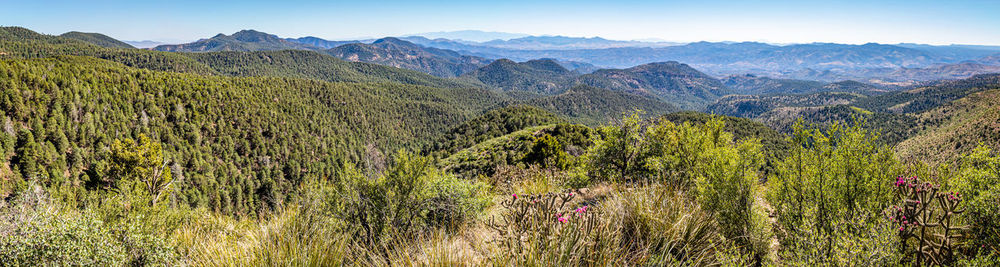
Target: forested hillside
{"x": 596, "y": 106}
{"x": 245, "y": 40}
{"x": 955, "y": 129}
{"x": 673, "y": 82}
{"x": 314, "y": 65}
{"x": 17, "y": 42}
{"x": 402, "y": 54}
{"x": 240, "y": 143}
{"x": 541, "y": 76}
{"x": 97, "y": 39}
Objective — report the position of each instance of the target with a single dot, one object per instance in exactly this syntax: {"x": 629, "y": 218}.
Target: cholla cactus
{"x": 546, "y": 229}
{"x": 926, "y": 215}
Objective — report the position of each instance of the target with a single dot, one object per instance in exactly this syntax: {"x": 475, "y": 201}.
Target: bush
{"x": 451, "y": 201}
{"x": 727, "y": 186}
{"x": 35, "y": 231}
{"x": 406, "y": 199}
{"x": 829, "y": 178}
{"x": 618, "y": 153}
{"x": 547, "y": 152}
{"x": 978, "y": 183}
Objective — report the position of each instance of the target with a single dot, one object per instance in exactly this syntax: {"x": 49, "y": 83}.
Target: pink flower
{"x": 900, "y": 228}
{"x": 515, "y": 196}
{"x": 563, "y": 219}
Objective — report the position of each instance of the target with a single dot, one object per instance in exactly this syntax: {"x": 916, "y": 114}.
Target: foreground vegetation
{"x": 643, "y": 192}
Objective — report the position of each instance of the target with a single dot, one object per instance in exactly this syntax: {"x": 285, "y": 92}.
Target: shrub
{"x": 727, "y": 186}
{"x": 830, "y": 177}
{"x": 451, "y": 201}
{"x": 618, "y": 153}
{"x": 35, "y": 231}
{"x": 406, "y": 199}
{"x": 978, "y": 183}
{"x": 547, "y": 152}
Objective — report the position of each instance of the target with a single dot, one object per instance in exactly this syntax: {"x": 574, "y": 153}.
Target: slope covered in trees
{"x": 593, "y": 106}
{"x": 241, "y": 144}
{"x": 955, "y": 129}
{"x": 673, "y": 82}
{"x": 314, "y": 65}
{"x": 925, "y": 98}
{"x": 543, "y": 76}
{"x": 753, "y": 85}
{"x": 96, "y": 39}
{"x": 491, "y": 124}
{"x": 402, "y": 54}
{"x": 17, "y": 42}
{"x": 245, "y": 40}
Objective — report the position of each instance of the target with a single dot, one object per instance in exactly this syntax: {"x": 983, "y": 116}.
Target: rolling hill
{"x": 594, "y": 106}
{"x": 492, "y": 124}
{"x": 402, "y": 54}
{"x": 315, "y": 65}
{"x": 956, "y": 128}
{"x": 672, "y": 82}
{"x": 96, "y": 39}
{"x": 245, "y": 40}
{"x": 749, "y": 84}
{"x": 542, "y": 76}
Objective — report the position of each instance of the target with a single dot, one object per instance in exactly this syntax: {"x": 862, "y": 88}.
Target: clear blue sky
{"x": 855, "y": 21}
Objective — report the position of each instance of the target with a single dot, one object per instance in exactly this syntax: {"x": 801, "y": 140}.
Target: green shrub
{"x": 406, "y": 199}
{"x": 727, "y": 186}
{"x": 548, "y": 152}
{"x": 829, "y": 178}
{"x": 978, "y": 183}
{"x": 618, "y": 153}
{"x": 835, "y": 175}
{"x": 35, "y": 231}
{"x": 452, "y": 201}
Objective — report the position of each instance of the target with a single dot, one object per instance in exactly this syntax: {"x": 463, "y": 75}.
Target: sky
{"x": 850, "y": 21}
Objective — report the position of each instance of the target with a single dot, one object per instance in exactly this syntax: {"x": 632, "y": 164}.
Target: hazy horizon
{"x": 969, "y": 22}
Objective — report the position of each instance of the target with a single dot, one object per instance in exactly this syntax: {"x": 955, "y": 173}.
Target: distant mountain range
{"x": 551, "y": 65}
{"x": 884, "y": 65}
{"x": 566, "y": 43}
{"x": 472, "y": 35}
{"x": 321, "y": 43}
{"x": 144, "y": 43}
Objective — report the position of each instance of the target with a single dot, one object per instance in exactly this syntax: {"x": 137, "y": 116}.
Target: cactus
{"x": 546, "y": 228}
{"x": 926, "y": 215}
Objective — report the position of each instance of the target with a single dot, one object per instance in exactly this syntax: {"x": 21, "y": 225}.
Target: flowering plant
{"x": 926, "y": 215}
